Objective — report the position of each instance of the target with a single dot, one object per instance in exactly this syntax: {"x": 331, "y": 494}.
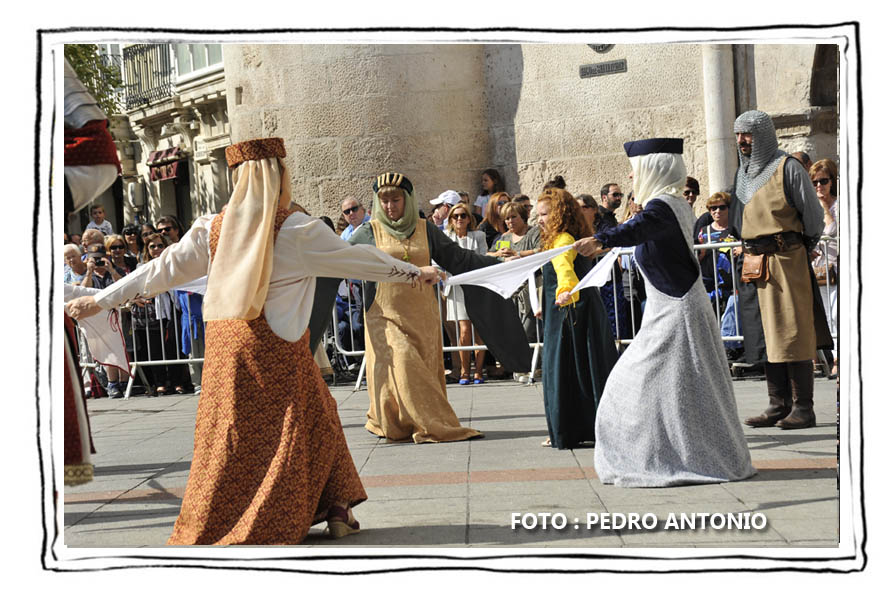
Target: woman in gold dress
{"x": 404, "y": 344}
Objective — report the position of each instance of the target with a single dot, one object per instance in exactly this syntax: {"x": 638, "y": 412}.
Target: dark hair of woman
{"x": 342, "y": 224}
{"x": 498, "y": 183}
{"x": 556, "y": 183}
{"x": 136, "y": 230}
{"x": 493, "y": 216}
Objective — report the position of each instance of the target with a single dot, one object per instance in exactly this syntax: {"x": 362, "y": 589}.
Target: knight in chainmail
{"x": 778, "y": 217}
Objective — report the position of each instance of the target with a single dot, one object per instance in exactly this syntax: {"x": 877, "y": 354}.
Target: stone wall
{"x": 349, "y": 113}
{"x": 784, "y": 90}
{"x": 442, "y": 113}
{"x": 549, "y": 121}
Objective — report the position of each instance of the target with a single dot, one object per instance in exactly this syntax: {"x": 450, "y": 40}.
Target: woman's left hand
{"x": 563, "y": 298}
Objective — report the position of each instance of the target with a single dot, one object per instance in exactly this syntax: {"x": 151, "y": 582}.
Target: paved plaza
{"x": 464, "y": 494}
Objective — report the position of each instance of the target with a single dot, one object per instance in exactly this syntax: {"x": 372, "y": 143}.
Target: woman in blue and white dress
{"x": 668, "y": 415}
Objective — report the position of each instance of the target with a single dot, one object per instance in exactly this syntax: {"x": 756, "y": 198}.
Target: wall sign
{"x": 603, "y": 68}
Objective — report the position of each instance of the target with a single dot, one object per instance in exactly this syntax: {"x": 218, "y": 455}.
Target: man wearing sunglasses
{"x": 355, "y": 214}
{"x": 610, "y": 197}
{"x": 169, "y": 226}
{"x": 779, "y": 219}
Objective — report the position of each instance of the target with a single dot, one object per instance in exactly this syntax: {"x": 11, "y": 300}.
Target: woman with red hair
{"x": 579, "y": 349}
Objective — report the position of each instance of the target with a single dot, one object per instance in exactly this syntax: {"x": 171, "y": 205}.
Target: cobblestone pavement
{"x": 465, "y": 494}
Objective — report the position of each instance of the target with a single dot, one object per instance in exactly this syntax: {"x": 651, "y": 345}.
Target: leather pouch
{"x": 754, "y": 268}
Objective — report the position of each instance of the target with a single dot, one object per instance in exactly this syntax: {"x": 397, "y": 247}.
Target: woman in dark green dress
{"x": 579, "y": 349}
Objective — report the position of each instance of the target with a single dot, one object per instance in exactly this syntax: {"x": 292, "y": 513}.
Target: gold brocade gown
{"x": 404, "y": 354}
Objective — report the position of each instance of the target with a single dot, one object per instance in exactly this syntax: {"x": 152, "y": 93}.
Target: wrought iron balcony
{"x": 148, "y": 72}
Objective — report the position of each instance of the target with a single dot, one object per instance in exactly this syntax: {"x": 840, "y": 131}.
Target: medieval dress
{"x": 579, "y": 350}
{"x": 668, "y": 414}
{"x": 269, "y": 452}
{"x": 404, "y": 342}
{"x": 90, "y": 167}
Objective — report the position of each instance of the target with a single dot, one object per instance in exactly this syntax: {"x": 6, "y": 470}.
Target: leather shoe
{"x": 800, "y": 418}
{"x": 769, "y": 418}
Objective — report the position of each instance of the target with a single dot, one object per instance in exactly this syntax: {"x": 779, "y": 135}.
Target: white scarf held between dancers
{"x": 505, "y": 279}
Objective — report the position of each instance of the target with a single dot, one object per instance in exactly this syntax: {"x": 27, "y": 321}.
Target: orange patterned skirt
{"x": 269, "y": 451}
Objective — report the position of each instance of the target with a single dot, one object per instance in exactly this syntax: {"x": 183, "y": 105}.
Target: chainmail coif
{"x": 756, "y": 169}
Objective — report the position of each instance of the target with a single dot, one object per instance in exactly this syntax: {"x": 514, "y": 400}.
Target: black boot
{"x": 779, "y": 396}
{"x": 802, "y": 380}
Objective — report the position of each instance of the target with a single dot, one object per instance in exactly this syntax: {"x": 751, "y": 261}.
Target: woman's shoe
{"x": 337, "y": 524}
{"x": 478, "y": 380}
{"x": 464, "y": 380}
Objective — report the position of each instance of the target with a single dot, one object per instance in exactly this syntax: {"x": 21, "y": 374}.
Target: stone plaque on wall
{"x": 603, "y": 68}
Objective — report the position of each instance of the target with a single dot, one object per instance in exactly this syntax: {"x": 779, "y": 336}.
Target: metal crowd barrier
{"x": 159, "y": 358}
{"x": 153, "y": 357}
{"x": 620, "y": 339}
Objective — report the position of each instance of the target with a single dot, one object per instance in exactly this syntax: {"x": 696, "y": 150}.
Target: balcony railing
{"x": 149, "y": 73}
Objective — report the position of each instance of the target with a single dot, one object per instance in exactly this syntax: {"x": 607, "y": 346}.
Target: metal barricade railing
{"x": 719, "y": 306}
{"x": 149, "y": 355}
{"x": 160, "y": 358}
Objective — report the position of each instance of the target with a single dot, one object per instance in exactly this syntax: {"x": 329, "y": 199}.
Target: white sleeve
{"x": 314, "y": 250}
{"x": 180, "y": 263}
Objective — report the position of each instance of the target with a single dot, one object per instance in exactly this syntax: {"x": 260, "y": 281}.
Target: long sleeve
{"x": 312, "y": 249}
{"x": 655, "y": 221}
{"x": 564, "y": 266}
{"x": 180, "y": 263}
{"x": 801, "y": 195}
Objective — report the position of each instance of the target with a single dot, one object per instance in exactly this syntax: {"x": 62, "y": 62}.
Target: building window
{"x": 193, "y": 57}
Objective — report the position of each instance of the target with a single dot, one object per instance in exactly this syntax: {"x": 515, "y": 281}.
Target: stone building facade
{"x": 443, "y": 113}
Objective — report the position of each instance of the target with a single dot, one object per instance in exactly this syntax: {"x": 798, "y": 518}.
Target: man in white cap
{"x": 442, "y": 204}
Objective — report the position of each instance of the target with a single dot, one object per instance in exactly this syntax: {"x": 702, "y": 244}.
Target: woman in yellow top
{"x": 579, "y": 349}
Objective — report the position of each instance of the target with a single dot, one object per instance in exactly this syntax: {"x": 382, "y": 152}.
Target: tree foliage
{"x": 98, "y": 74}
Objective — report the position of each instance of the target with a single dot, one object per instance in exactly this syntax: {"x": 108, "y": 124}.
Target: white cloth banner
{"x": 103, "y": 333}
{"x": 600, "y": 274}
{"x": 505, "y": 279}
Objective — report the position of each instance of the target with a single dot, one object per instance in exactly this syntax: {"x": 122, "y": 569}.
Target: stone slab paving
{"x": 464, "y": 494}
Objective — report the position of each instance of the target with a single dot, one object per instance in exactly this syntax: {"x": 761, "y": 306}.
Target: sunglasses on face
{"x": 459, "y": 216}
{"x": 718, "y": 208}
{"x": 118, "y": 247}
{"x": 165, "y": 229}
{"x": 817, "y": 182}
{"x": 689, "y": 192}
{"x": 351, "y": 210}
{"x": 129, "y": 233}
{"x": 618, "y": 195}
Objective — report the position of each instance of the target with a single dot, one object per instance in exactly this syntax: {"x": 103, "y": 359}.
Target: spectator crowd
{"x": 495, "y": 223}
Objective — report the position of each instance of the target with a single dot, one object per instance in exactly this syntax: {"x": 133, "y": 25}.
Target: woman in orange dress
{"x": 270, "y": 458}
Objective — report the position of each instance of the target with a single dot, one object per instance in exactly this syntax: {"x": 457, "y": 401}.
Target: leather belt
{"x": 773, "y": 243}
